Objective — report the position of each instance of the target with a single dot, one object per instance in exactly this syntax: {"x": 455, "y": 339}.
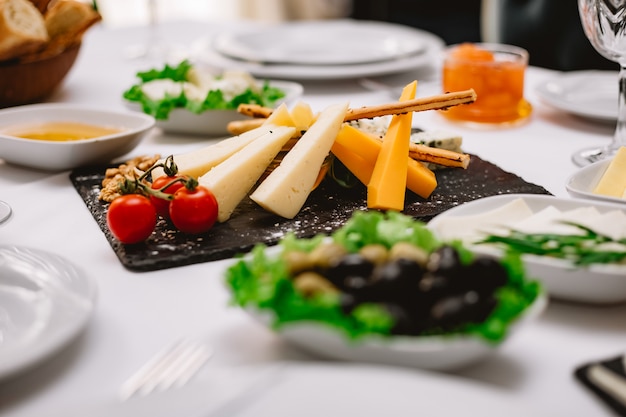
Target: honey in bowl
{"x": 60, "y": 131}
{"x": 496, "y": 73}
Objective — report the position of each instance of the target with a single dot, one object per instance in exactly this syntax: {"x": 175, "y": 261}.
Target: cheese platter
{"x": 328, "y": 207}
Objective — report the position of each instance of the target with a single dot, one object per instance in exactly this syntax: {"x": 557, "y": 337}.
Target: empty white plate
{"x": 332, "y": 42}
{"x": 45, "y": 301}
{"x": 589, "y": 94}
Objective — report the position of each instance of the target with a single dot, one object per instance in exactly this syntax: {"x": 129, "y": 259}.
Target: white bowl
{"x": 582, "y": 183}
{"x": 440, "y": 353}
{"x": 214, "y": 122}
{"x": 597, "y": 284}
{"x": 65, "y": 155}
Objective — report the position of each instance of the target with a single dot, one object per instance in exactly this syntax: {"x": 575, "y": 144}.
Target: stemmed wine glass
{"x": 604, "y": 23}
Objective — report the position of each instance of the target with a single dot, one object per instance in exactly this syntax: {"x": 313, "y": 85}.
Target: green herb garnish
{"x": 267, "y": 96}
{"x": 583, "y": 249}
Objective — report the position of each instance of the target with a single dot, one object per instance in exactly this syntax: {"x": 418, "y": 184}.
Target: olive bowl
{"x": 446, "y": 352}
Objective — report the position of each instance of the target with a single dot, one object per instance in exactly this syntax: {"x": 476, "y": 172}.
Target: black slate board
{"x": 327, "y": 209}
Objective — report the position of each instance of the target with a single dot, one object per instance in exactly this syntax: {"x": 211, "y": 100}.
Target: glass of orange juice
{"x": 496, "y": 73}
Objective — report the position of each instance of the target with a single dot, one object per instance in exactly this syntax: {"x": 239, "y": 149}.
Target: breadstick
{"x": 255, "y": 110}
{"x": 437, "y": 102}
{"x": 438, "y": 156}
{"x": 237, "y": 127}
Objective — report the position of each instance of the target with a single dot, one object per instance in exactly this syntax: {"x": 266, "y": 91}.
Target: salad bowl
{"x": 190, "y": 99}
{"x": 324, "y": 327}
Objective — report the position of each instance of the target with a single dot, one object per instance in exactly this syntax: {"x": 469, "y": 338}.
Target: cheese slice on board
{"x": 613, "y": 181}
{"x": 199, "y": 161}
{"x": 232, "y": 179}
{"x": 302, "y": 115}
{"x": 358, "y": 151}
{"x": 280, "y": 117}
{"x": 286, "y": 189}
{"x": 387, "y": 186}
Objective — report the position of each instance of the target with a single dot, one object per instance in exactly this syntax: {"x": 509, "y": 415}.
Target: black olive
{"x": 434, "y": 285}
{"x": 355, "y": 284}
{"x": 403, "y": 322}
{"x": 451, "y": 311}
{"x": 393, "y": 280}
{"x": 347, "y": 302}
{"x": 445, "y": 261}
{"x": 350, "y": 265}
{"x": 487, "y": 274}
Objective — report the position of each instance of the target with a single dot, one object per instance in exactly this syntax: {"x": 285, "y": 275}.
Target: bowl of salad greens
{"x": 384, "y": 289}
{"x": 188, "y": 98}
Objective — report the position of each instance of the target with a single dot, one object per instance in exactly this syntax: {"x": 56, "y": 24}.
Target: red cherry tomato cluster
{"x": 190, "y": 207}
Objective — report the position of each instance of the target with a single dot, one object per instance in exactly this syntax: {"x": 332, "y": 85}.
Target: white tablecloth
{"x": 138, "y": 313}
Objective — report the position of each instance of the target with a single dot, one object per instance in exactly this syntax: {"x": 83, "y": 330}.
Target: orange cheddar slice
{"x": 358, "y": 151}
{"x": 361, "y": 167}
{"x": 387, "y": 187}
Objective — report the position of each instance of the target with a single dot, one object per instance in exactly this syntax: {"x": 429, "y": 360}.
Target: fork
{"x": 173, "y": 366}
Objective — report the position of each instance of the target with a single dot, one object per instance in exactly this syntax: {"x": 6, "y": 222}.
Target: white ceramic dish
{"x": 424, "y": 352}
{"x": 59, "y": 156}
{"x": 45, "y": 301}
{"x": 582, "y": 182}
{"x": 214, "y": 122}
{"x": 335, "y": 42}
{"x": 588, "y": 94}
{"x": 433, "y": 45}
{"x": 594, "y": 284}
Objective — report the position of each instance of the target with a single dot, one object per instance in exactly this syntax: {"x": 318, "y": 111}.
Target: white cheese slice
{"x": 280, "y": 117}
{"x": 302, "y": 115}
{"x": 199, "y": 161}
{"x": 613, "y": 181}
{"x": 551, "y": 220}
{"x": 286, "y": 189}
{"x": 232, "y": 179}
{"x": 475, "y": 227}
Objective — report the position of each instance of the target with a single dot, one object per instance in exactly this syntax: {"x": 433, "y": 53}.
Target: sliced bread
{"x": 22, "y": 29}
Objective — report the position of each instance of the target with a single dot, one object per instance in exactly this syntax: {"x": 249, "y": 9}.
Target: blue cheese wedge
{"x": 199, "y": 161}
{"x": 232, "y": 179}
{"x": 441, "y": 139}
{"x": 286, "y": 189}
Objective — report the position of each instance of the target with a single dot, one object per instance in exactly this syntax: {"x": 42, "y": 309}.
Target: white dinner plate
{"x": 432, "y": 48}
{"x": 589, "y": 94}
{"x": 582, "y": 183}
{"x": 329, "y": 42}
{"x": 45, "y": 301}
{"x": 594, "y": 284}
{"x": 214, "y": 122}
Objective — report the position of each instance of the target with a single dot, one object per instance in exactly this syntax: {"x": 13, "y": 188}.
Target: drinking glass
{"x": 604, "y": 23}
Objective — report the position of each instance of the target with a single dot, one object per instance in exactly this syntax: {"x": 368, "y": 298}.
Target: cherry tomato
{"x": 162, "y": 205}
{"x": 193, "y": 211}
{"x": 131, "y": 218}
